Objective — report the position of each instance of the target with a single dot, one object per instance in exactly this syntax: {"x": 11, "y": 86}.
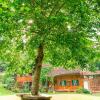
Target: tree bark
{"x": 37, "y": 70}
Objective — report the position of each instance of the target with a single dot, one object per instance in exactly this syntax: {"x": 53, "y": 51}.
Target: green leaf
{"x": 1, "y": 10}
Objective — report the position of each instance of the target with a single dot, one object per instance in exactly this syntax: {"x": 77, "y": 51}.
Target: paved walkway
{"x": 58, "y": 97}
{"x": 11, "y": 97}
{"x": 74, "y": 97}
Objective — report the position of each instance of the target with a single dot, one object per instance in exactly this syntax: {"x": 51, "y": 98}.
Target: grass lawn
{"x": 4, "y": 91}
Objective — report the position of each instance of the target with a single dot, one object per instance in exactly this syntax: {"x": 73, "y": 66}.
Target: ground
{"x": 59, "y": 97}
{"x": 8, "y": 95}
{"x": 74, "y": 97}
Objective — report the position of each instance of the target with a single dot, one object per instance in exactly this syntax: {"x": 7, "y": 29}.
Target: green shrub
{"x": 43, "y": 89}
{"x": 82, "y": 90}
{"x": 9, "y": 82}
{"x": 25, "y": 88}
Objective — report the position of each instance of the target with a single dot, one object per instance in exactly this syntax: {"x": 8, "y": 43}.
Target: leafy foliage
{"x": 9, "y": 82}
{"x": 82, "y": 90}
{"x": 44, "y": 73}
{"x": 67, "y": 29}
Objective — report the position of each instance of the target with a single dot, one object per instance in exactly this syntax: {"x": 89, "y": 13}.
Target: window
{"x": 75, "y": 82}
{"x": 63, "y": 83}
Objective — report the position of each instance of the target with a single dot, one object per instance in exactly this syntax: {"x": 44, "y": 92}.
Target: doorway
{"x": 86, "y": 85}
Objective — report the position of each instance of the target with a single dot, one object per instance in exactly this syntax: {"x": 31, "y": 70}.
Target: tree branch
{"x": 56, "y": 14}
{"x": 53, "y": 8}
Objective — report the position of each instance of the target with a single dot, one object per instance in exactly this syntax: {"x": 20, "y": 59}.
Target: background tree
{"x": 33, "y": 32}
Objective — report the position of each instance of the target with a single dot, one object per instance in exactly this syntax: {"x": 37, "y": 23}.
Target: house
{"x": 68, "y": 80}
{"x": 21, "y": 80}
{"x": 71, "y": 80}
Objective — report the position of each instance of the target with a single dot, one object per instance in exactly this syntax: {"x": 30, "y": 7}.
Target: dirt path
{"x": 58, "y": 97}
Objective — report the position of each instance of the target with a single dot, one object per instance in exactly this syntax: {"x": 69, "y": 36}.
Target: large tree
{"x": 58, "y": 32}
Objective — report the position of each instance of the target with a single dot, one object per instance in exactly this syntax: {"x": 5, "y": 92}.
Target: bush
{"x": 9, "y": 82}
{"x": 82, "y": 90}
{"x": 25, "y": 88}
{"x": 43, "y": 89}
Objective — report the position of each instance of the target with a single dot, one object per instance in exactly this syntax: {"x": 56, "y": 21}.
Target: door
{"x": 86, "y": 85}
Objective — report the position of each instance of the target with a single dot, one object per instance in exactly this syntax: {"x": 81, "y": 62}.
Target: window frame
{"x": 76, "y": 82}
{"x": 63, "y": 83}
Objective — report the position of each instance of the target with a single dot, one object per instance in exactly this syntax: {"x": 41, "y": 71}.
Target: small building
{"x": 71, "y": 80}
{"x": 21, "y": 80}
{"x": 67, "y": 80}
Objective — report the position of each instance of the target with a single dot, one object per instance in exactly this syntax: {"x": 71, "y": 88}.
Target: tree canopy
{"x": 67, "y": 29}
{"x": 65, "y": 32}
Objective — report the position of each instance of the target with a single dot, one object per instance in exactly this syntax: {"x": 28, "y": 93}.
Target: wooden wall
{"x": 23, "y": 79}
{"x": 95, "y": 84}
{"x": 69, "y": 79}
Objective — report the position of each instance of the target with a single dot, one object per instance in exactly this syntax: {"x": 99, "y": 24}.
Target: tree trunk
{"x": 37, "y": 70}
